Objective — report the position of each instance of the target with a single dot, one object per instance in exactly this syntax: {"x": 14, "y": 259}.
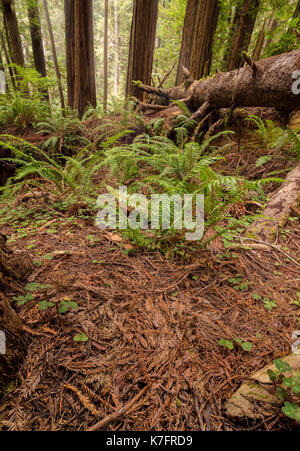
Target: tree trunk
{"x": 297, "y": 11}
{"x": 272, "y": 25}
{"x": 117, "y": 50}
{"x": 6, "y": 54}
{"x": 200, "y": 23}
{"x": 70, "y": 50}
{"x": 55, "y": 61}
{"x": 259, "y": 43}
{"x": 267, "y": 83}
{"x": 242, "y": 28}
{"x": 36, "y": 39}
{"x": 11, "y": 24}
{"x": 80, "y": 55}
{"x": 141, "y": 48}
{"x": 105, "y": 57}
{"x": 11, "y": 270}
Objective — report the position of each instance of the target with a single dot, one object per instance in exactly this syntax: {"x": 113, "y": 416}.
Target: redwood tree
{"x": 200, "y": 23}
{"x": 297, "y": 11}
{"x": 142, "y": 43}
{"x": 13, "y": 34}
{"x": 80, "y": 54}
{"x": 241, "y": 32}
{"x": 36, "y": 37}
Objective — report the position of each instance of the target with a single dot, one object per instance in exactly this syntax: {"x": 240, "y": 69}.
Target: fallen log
{"x": 278, "y": 209}
{"x": 266, "y": 83}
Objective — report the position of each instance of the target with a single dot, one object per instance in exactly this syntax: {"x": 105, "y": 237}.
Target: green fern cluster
{"x": 274, "y": 138}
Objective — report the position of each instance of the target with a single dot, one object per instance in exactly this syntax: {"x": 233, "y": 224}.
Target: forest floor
{"x": 152, "y": 358}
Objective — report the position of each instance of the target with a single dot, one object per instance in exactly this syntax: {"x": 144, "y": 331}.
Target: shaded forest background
{"x": 273, "y": 22}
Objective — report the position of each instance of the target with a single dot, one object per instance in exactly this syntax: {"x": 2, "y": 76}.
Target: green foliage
{"x": 287, "y": 388}
{"x": 22, "y": 112}
{"x": 66, "y": 305}
{"x": 230, "y": 344}
{"x": 75, "y": 173}
{"x": 81, "y": 338}
{"x": 269, "y": 303}
{"x": 271, "y": 137}
{"x": 65, "y": 129}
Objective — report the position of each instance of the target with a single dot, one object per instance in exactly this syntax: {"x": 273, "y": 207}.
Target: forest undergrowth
{"x": 141, "y": 319}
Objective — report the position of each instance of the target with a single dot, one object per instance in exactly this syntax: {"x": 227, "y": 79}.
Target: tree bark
{"x": 271, "y": 27}
{"x": 297, "y": 11}
{"x": 242, "y": 28}
{"x": 200, "y": 23}
{"x": 54, "y": 55}
{"x": 6, "y": 54}
{"x": 11, "y": 270}
{"x": 105, "y": 57}
{"x": 278, "y": 209}
{"x": 11, "y": 24}
{"x": 259, "y": 42}
{"x": 141, "y": 48}
{"x": 37, "y": 40}
{"x": 36, "y": 37}
{"x": 70, "y": 50}
{"x": 80, "y": 54}
{"x": 268, "y": 83}
{"x": 117, "y": 49}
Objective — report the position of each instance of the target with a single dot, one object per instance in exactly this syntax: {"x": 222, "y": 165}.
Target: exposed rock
{"x": 255, "y": 398}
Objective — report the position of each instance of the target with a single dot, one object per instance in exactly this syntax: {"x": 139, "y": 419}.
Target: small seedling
{"x": 67, "y": 305}
{"x": 269, "y": 304}
{"x": 22, "y": 300}
{"x": 81, "y": 338}
{"x": 245, "y": 345}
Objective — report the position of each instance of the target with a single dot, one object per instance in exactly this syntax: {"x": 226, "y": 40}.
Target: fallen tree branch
{"x": 119, "y": 413}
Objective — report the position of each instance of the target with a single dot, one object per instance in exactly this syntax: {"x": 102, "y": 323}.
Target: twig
{"x": 274, "y": 247}
{"x": 167, "y": 76}
{"x": 116, "y": 415}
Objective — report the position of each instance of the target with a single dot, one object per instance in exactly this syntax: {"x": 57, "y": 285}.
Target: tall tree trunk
{"x": 10, "y": 70}
{"x": 54, "y": 54}
{"x": 36, "y": 39}
{"x": 243, "y": 25}
{"x": 272, "y": 24}
{"x": 142, "y": 43}
{"x": 117, "y": 50}
{"x": 11, "y": 270}
{"x": 105, "y": 57}
{"x": 200, "y": 23}
{"x": 3, "y": 88}
{"x": 11, "y": 24}
{"x": 80, "y": 55}
{"x": 297, "y": 11}
{"x": 259, "y": 42}
{"x": 70, "y": 49}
